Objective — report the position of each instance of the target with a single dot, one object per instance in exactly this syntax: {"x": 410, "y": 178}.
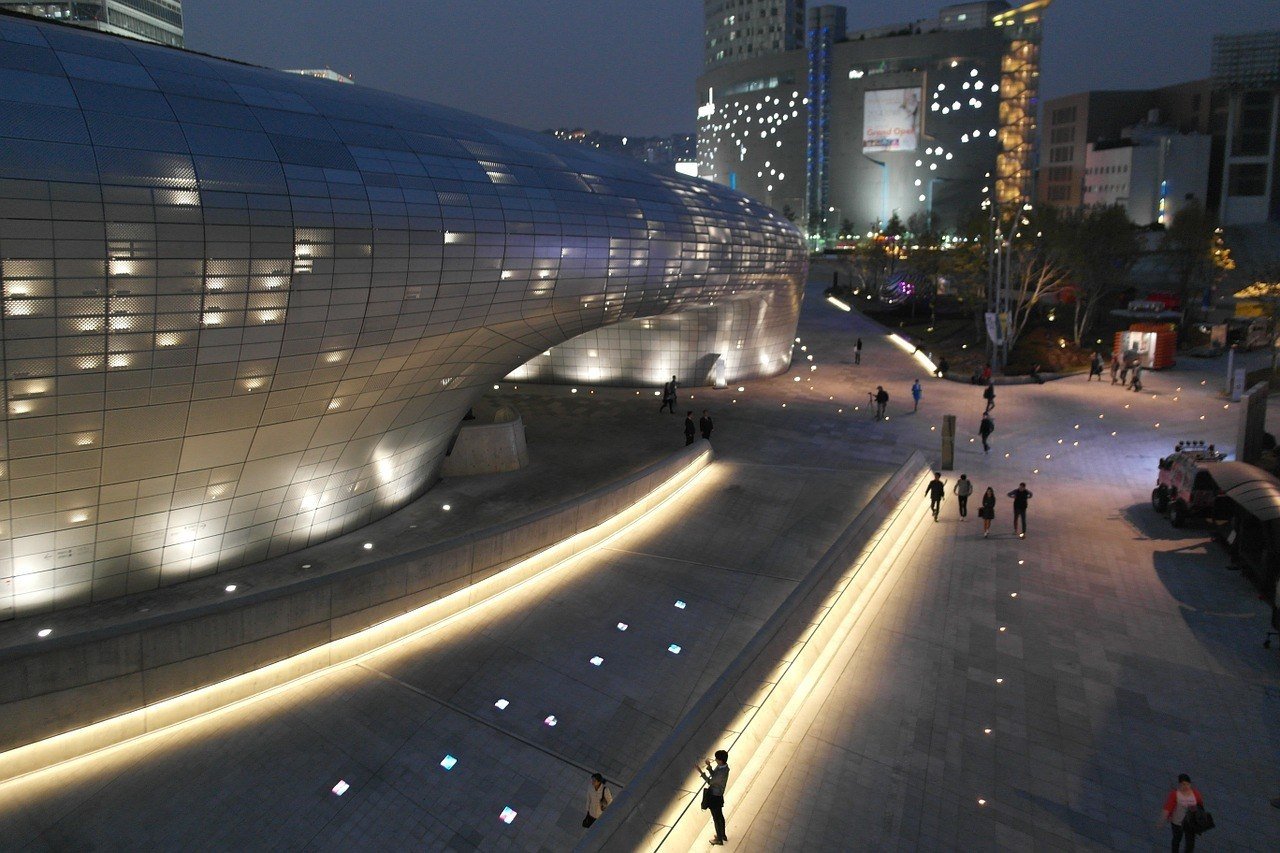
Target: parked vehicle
{"x": 1241, "y": 503}
{"x": 1184, "y": 485}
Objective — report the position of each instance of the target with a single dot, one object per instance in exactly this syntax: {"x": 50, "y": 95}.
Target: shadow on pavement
{"x": 1151, "y": 525}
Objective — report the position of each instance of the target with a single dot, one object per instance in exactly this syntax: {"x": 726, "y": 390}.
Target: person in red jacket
{"x": 1181, "y": 799}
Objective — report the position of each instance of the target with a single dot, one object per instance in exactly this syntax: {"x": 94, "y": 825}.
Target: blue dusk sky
{"x": 629, "y": 66}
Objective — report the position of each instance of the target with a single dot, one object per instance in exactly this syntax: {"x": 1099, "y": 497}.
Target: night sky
{"x": 629, "y": 66}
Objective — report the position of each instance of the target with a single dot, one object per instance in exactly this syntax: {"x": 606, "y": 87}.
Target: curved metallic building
{"x": 244, "y": 311}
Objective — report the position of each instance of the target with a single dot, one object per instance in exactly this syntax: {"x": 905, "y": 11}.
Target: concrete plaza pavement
{"x": 1129, "y": 654}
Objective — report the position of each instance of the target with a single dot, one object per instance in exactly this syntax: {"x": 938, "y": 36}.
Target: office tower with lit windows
{"x": 922, "y": 119}
{"x": 747, "y": 29}
{"x": 159, "y": 21}
{"x": 1247, "y": 67}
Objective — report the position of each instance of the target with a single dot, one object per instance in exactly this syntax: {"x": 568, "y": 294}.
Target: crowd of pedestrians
{"x": 937, "y": 492}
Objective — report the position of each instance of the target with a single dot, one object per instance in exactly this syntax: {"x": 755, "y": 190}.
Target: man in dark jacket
{"x": 689, "y": 429}
{"x": 1020, "y": 497}
{"x": 882, "y": 400}
{"x": 985, "y": 429}
{"x": 705, "y": 425}
{"x": 989, "y": 394}
{"x": 936, "y": 490}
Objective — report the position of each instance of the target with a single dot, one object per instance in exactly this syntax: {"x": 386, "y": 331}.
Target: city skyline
{"x": 561, "y": 63}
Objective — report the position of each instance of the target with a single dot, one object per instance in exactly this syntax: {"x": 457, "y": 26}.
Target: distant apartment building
{"x": 159, "y": 21}
{"x": 677, "y": 152}
{"x": 746, "y": 29}
{"x": 322, "y": 73}
{"x": 1248, "y": 69}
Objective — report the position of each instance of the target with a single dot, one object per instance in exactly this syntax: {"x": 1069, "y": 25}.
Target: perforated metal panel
{"x": 244, "y": 311}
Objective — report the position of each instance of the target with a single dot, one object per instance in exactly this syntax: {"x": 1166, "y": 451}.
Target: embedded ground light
{"x": 341, "y": 788}
{"x": 674, "y": 649}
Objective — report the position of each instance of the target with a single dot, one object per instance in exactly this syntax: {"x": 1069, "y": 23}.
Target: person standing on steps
{"x": 985, "y": 429}
{"x": 987, "y": 512}
{"x": 1020, "y": 497}
{"x": 882, "y": 400}
{"x": 937, "y": 490}
{"x": 857, "y": 351}
{"x": 668, "y": 397}
{"x": 916, "y": 393}
{"x": 705, "y": 425}
{"x": 689, "y": 429}
{"x": 989, "y": 394}
{"x": 963, "y": 488}
{"x": 717, "y": 779}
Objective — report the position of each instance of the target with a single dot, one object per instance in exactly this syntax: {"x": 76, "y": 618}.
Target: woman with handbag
{"x": 1180, "y": 809}
{"x": 987, "y": 512}
{"x": 598, "y": 799}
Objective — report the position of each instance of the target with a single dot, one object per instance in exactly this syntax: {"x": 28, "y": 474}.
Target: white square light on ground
{"x": 674, "y": 649}
{"x": 551, "y": 720}
{"x": 622, "y": 626}
{"x": 448, "y": 761}
{"x": 501, "y": 704}
{"x": 680, "y": 605}
{"x": 508, "y": 814}
{"x": 597, "y": 660}
{"x": 341, "y": 788}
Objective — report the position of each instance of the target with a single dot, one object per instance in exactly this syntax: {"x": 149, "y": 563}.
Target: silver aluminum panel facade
{"x": 244, "y": 311}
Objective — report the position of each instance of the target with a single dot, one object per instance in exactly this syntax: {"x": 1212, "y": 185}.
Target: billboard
{"x": 890, "y": 120}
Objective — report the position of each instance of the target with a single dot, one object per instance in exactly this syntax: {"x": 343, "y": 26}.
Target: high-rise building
{"x": 1248, "y": 68}
{"x": 746, "y": 29}
{"x": 926, "y": 118}
{"x": 159, "y": 21}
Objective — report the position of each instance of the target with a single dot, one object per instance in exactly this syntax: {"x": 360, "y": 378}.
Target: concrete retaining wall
{"x": 76, "y": 693}
{"x": 659, "y": 807}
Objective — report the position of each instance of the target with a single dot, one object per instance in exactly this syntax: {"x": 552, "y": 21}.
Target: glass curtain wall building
{"x": 159, "y": 21}
{"x": 243, "y": 311}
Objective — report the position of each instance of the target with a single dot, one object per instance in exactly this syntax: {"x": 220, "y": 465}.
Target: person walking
{"x": 598, "y": 799}
{"x": 675, "y": 396}
{"x": 1115, "y": 369}
{"x": 985, "y": 429}
{"x": 916, "y": 393}
{"x": 882, "y": 400}
{"x": 963, "y": 488}
{"x": 990, "y": 396}
{"x": 943, "y": 368}
{"x": 668, "y": 397}
{"x": 1181, "y": 800}
{"x": 705, "y": 425}
{"x": 937, "y": 490}
{"x": 717, "y": 780}
{"x": 987, "y": 512}
{"x": 857, "y": 351}
{"x": 689, "y": 429}
{"x": 1135, "y": 383}
{"x": 1095, "y": 367}
{"x": 1020, "y": 497}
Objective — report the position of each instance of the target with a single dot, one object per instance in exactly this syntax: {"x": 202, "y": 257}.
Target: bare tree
{"x": 1034, "y": 276}
{"x": 1096, "y": 246}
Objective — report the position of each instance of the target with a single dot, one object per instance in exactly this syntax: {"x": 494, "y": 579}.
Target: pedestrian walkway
{"x": 1129, "y": 652}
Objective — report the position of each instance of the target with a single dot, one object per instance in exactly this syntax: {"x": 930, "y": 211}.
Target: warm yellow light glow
{"x": 836, "y": 302}
{"x": 99, "y": 741}
{"x": 917, "y": 353}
